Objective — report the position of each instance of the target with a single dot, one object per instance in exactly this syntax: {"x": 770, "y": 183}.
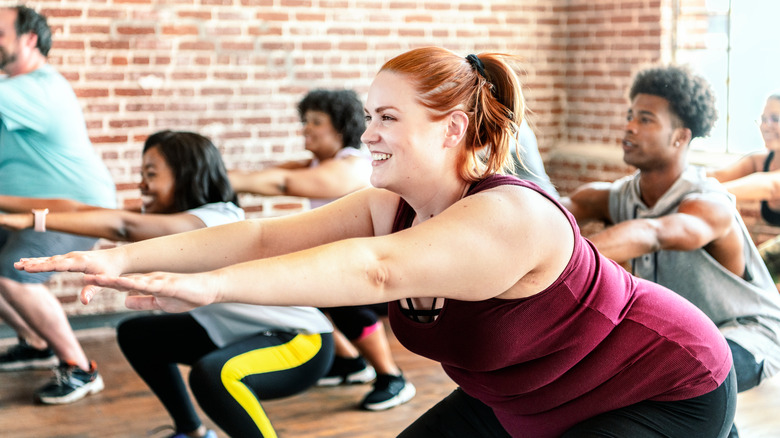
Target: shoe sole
{"x": 365, "y": 375}
{"x": 404, "y": 396}
{"x": 35, "y": 364}
{"x": 92, "y": 387}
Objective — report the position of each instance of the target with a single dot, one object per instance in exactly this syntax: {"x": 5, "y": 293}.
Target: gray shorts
{"x": 15, "y": 245}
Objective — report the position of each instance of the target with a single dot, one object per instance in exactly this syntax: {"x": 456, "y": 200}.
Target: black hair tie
{"x": 477, "y": 64}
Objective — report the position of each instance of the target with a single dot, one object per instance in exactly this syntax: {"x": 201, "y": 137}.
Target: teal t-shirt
{"x": 45, "y": 151}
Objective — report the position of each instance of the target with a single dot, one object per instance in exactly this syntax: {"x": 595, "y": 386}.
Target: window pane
{"x": 738, "y": 54}
{"x": 755, "y": 69}
{"x": 713, "y": 65}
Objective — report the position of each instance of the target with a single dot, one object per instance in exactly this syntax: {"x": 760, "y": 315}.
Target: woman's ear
{"x": 457, "y": 124}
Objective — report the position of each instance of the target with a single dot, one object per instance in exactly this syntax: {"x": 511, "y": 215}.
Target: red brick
{"x": 135, "y": 30}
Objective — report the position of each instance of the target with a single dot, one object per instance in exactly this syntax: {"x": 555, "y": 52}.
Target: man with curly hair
{"x": 670, "y": 224}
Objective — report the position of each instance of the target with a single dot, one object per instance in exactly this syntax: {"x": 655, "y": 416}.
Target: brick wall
{"x": 234, "y": 70}
{"x": 608, "y": 42}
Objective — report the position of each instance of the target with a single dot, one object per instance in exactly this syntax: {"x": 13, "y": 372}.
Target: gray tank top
{"x": 745, "y": 309}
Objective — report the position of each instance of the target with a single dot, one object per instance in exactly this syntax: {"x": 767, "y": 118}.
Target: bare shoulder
{"x": 744, "y": 166}
{"x": 707, "y": 204}
{"x": 527, "y": 231}
{"x": 383, "y": 205}
{"x": 757, "y": 160}
{"x": 518, "y": 205}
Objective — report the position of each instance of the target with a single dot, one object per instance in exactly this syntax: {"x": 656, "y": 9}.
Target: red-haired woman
{"x": 485, "y": 273}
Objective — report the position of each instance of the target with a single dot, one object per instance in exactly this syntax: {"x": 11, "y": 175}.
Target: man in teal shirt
{"x": 44, "y": 153}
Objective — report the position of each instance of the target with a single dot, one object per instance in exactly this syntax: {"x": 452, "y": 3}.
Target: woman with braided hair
{"x": 485, "y": 273}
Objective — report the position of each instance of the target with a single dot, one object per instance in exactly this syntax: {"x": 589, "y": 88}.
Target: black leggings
{"x": 707, "y": 416}
{"x": 352, "y": 321}
{"x": 228, "y": 382}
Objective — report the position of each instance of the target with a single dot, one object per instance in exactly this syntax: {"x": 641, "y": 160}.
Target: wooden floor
{"x": 126, "y": 408}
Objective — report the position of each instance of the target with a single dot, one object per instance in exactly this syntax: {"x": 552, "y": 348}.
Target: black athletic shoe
{"x": 24, "y": 357}
{"x": 346, "y": 371}
{"x": 389, "y": 391}
{"x": 70, "y": 383}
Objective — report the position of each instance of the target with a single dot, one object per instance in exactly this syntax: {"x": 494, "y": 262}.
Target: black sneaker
{"x": 389, "y": 391}
{"x": 346, "y": 371}
{"x": 70, "y": 383}
{"x": 24, "y": 357}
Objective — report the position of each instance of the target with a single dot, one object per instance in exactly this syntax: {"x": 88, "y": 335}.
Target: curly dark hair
{"x": 199, "y": 173}
{"x": 344, "y": 109}
{"x": 690, "y": 96}
{"x": 29, "y": 21}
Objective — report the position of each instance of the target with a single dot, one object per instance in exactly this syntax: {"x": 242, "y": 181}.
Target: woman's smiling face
{"x": 770, "y": 124}
{"x": 320, "y": 136}
{"x": 157, "y": 183}
{"x": 405, "y": 143}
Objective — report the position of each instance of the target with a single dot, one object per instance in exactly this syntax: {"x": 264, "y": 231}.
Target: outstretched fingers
{"x": 58, "y": 263}
{"x": 76, "y": 261}
{"x": 157, "y": 290}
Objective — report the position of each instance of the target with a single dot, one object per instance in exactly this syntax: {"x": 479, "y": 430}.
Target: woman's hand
{"x": 103, "y": 262}
{"x": 159, "y": 290}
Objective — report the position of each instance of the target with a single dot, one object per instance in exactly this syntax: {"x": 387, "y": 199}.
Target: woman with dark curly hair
{"x": 333, "y": 122}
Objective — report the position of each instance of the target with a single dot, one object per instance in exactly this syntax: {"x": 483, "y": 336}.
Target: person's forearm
{"x": 307, "y": 278}
{"x": 626, "y": 241}
{"x": 268, "y": 182}
{"x": 20, "y": 204}
{"x": 755, "y": 187}
{"x": 104, "y": 223}
{"x": 197, "y": 251}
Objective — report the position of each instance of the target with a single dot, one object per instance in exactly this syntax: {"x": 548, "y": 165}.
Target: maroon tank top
{"x": 596, "y": 340}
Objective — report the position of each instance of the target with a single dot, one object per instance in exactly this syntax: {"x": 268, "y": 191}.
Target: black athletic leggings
{"x": 707, "y": 416}
{"x": 353, "y": 320}
{"x": 228, "y": 382}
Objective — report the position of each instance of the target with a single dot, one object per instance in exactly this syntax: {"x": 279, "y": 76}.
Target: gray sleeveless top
{"x": 745, "y": 309}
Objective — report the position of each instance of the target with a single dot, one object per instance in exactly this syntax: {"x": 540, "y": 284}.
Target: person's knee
{"x": 10, "y": 287}
{"x": 353, "y": 321}
{"x": 30, "y": 296}
{"x": 747, "y": 368}
{"x": 128, "y": 335}
{"x": 206, "y": 376}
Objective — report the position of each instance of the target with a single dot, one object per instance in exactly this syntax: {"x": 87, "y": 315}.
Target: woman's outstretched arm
{"x": 746, "y": 181}
{"x": 21, "y": 204}
{"x": 331, "y": 179}
{"x": 215, "y": 247}
{"x": 118, "y": 225}
{"x": 507, "y": 243}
